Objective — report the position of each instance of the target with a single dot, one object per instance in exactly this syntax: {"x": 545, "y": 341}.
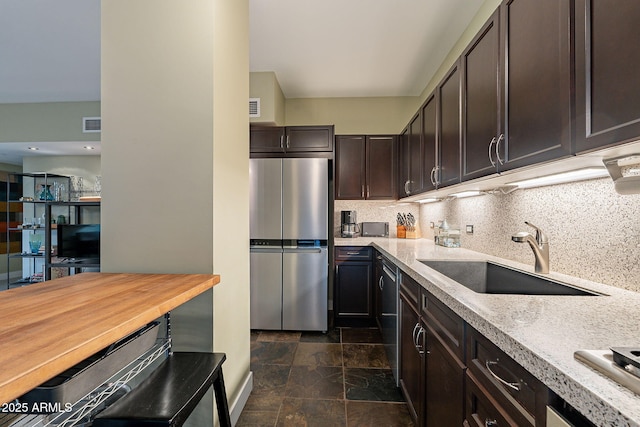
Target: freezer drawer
{"x": 305, "y": 289}
{"x": 266, "y": 288}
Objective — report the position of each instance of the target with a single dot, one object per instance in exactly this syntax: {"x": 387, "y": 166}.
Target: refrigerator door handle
{"x": 303, "y": 250}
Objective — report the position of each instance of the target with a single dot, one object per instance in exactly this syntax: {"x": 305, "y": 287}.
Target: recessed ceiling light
{"x": 33, "y": 148}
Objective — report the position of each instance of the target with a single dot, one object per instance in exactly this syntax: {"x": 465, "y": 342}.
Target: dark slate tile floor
{"x": 341, "y": 378}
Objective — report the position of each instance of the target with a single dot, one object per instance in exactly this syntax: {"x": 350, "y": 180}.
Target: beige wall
{"x": 230, "y": 187}
{"x": 175, "y": 161}
{"x": 264, "y": 85}
{"x": 353, "y": 115}
{"x": 486, "y": 10}
{"x": 47, "y": 121}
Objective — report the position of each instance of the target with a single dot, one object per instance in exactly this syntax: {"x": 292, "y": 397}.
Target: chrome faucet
{"x": 539, "y": 244}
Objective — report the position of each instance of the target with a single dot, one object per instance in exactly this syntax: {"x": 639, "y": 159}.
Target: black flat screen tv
{"x": 79, "y": 241}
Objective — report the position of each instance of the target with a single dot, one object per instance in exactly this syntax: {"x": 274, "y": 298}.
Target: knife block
{"x": 413, "y": 234}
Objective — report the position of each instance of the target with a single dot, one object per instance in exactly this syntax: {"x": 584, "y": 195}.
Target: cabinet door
{"x": 403, "y": 163}
{"x": 266, "y": 140}
{"x": 607, "y": 63}
{"x": 412, "y": 359}
{"x": 537, "y": 81}
{"x": 481, "y": 105}
{"x": 381, "y": 167}
{"x": 444, "y": 384}
{"x": 450, "y": 134}
{"x": 415, "y": 155}
{"x": 350, "y": 167}
{"x": 378, "y": 285}
{"x": 309, "y": 138}
{"x": 430, "y": 142}
{"x": 353, "y": 290}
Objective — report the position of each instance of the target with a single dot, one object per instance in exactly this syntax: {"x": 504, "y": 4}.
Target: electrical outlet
{"x": 469, "y": 229}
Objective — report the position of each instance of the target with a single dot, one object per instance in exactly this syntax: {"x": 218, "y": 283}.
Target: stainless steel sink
{"x": 489, "y": 278}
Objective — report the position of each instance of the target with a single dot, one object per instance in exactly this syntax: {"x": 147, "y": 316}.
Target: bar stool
{"x": 169, "y": 395}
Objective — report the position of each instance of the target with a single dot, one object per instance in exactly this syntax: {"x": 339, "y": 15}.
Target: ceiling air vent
{"x": 254, "y": 107}
{"x": 91, "y": 125}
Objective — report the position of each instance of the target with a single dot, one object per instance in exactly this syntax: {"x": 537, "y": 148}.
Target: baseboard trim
{"x": 239, "y": 403}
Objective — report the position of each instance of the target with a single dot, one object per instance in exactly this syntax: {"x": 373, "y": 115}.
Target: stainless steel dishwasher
{"x": 390, "y": 315}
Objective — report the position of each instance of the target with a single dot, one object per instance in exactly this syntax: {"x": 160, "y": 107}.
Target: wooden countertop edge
{"x": 22, "y": 382}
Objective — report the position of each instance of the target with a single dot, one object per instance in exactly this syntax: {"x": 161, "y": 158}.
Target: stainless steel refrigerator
{"x": 289, "y": 233}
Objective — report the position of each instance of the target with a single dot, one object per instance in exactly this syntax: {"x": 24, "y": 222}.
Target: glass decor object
{"x": 35, "y": 241}
{"x": 45, "y": 192}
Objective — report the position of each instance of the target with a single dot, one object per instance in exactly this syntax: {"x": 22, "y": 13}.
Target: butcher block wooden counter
{"x": 48, "y": 327}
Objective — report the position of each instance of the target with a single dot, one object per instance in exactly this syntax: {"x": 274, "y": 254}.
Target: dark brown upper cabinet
{"x": 536, "y": 79}
{"x": 517, "y": 88}
{"x": 430, "y": 143}
{"x": 449, "y": 132}
{"x": 607, "y": 63}
{"x": 411, "y": 155}
{"x": 366, "y": 167}
{"x": 482, "y": 125}
{"x": 276, "y": 140}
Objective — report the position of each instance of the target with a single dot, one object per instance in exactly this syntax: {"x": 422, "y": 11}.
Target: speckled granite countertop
{"x": 539, "y": 332}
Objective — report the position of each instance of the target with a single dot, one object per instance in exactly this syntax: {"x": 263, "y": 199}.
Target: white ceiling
{"x": 50, "y": 49}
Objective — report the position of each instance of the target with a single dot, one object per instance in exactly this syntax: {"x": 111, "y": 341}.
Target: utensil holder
{"x": 402, "y": 232}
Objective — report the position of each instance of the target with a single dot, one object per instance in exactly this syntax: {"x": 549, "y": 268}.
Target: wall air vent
{"x": 91, "y": 124}
{"x": 254, "y": 107}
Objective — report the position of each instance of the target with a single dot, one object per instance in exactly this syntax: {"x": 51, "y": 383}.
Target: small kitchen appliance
{"x": 375, "y": 229}
{"x": 349, "y": 227}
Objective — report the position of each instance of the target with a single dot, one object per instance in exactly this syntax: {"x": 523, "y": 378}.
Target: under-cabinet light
{"x": 33, "y": 148}
{"x": 89, "y": 147}
{"x": 464, "y": 194}
{"x": 572, "y": 176}
{"x": 429, "y": 200}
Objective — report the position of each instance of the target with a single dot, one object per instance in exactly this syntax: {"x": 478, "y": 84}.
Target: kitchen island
{"x": 541, "y": 333}
{"x": 49, "y": 327}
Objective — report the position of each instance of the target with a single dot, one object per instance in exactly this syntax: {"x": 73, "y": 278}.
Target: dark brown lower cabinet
{"x": 496, "y": 380}
{"x": 353, "y": 287}
{"x": 412, "y": 352}
{"x": 444, "y": 384}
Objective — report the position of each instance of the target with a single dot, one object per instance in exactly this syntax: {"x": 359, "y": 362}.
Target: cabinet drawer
{"x": 448, "y": 325}
{"x": 354, "y": 253}
{"x": 410, "y": 290}
{"x": 513, "y": 387}
{"x": 482, "y": 409}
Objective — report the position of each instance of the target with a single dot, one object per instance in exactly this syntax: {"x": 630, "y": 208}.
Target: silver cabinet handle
{"x": 490, "y": 423}
{"x": 433, "y": 176}
{"x": 501, "y": 138}
{"x": 406, "y": 187}
{"x": 414, "y": 335}
{"x": 513, "y": 386}
{"x": 381, "y": 283}
{"x": 493, "y": 141}
{"x": 368, "y": 191}
{"x": 362, "y": 191}
{"x": 420, "y": 346}
{"x": 353, "y": 253}
{"x": 288, "y": 142}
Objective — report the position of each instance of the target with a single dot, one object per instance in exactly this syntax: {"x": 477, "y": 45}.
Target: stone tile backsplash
{"x": 594, "y": 233}
{"x": 374, "y": 211}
